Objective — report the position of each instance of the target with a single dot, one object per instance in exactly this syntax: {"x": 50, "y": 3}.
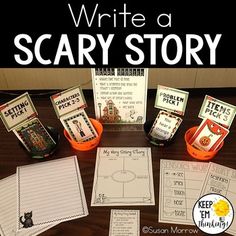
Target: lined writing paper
{"x": 8, "y": 211}
{"x": 52, "y": 190}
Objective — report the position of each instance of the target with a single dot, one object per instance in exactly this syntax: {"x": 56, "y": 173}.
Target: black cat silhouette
{"x": 28, "y": 220}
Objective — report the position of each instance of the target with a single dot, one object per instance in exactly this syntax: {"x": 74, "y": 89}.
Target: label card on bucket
{"x": 208, "y": 136}
{"x": 68, "y": 100}
{"x": 171, "y": 99}
{"x": 120, "y": 95}
{"x": 17, "y": 111}
{"x": 219, "y": 111}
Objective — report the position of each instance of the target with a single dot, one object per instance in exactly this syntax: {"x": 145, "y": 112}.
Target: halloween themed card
{"x": 208, "y": 136}
{"x": 35, "y": 137}
{"x": 79, "y": 126}
{"x": 165, "y": 126}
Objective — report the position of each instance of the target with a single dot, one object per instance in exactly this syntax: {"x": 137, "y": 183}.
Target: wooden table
{"x": 97, "y": 222}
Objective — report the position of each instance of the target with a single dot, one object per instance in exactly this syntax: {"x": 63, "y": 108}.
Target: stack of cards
{"x": 218, "y": 117}
{"x": 166, "y": 124}
{"x": 19, "y": 116}
{"x": 41, "y": 195}
{"x": 208, "y": 136}
{"x": 69, "y": 106}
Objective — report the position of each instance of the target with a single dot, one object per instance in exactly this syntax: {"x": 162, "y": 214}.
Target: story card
{"x": 171, "y": 99}
{"x": 208, "y": 136}
{"x": 79, "y": 126}
{"x": 17, "y": 111}
{"x": 68, "y": 101}
{"x": 221, "y": 180}
{"x": 165, "y": 126}
{"x": 35, "y": 137}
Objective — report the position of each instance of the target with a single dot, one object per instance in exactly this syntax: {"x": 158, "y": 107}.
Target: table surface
{"x": 97, "y": 222}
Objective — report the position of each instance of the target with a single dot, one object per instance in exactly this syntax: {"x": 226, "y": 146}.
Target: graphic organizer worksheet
{"x": 123, "y": 176}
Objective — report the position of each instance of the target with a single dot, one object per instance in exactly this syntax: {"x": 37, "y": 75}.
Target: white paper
{"x": 120, "y": 95}
{"x": 52, "y": 190}
{"x": 180, "y": 186}
{"x": 124, "y": 223}
{"x": 221, "y": 180}
{"x": 123, "y": 176}
{"x": 8, "y": 195}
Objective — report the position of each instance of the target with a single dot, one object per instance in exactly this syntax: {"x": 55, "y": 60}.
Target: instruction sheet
{"x": 120, "y": 95}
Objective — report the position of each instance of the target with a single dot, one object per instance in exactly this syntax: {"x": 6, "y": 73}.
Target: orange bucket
{"x": 85, "y": 146}
{"x": 196, "y": 153}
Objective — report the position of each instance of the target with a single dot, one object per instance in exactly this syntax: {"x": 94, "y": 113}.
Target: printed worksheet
{"x": 180, "y": 187}
{"x": 124, "y": 223}
{"x": 8, "y": 207}
{"x": 221, "y": 180}
{"x": 49, "y": 192}
{"x": 123, "y": 176}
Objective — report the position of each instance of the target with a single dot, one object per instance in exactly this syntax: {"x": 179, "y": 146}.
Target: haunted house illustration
{"x": 110, "y": 113}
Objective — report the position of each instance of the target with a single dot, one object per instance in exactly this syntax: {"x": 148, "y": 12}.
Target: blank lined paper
{"x": 8, "y": 205}
{"x": 52, "y": 190}
{"x": 8, "y": 211}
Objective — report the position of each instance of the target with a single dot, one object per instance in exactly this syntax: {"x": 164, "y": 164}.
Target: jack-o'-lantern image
{"x": 205, "y": 141}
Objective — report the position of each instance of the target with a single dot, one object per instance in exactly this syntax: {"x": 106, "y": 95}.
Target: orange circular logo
{"x": 205, "y": 141}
